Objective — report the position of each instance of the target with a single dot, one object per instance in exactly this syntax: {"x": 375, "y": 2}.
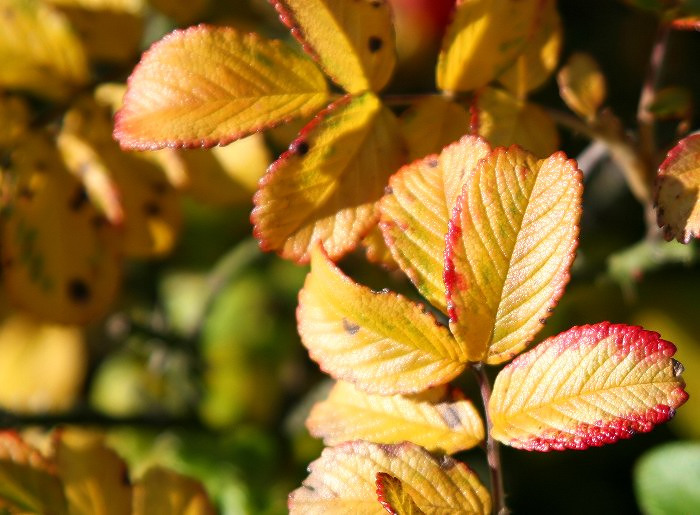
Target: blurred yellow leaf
{"x": 540, "y": 56}
{"x": 14, "y": 120}
{"x": 376, "y": 249}
{"x": 379, "y": 341}
{"x": 512, "y": 238}
{"x": 94, "y": 477}
{"x": 582, "y": 85}
{"x": 678, "y": 191}
{"x": 39, "y": 51}
{"x": 393, "y": 496}
{"x": 342, "y": 481}
{"x": 505, "y": 120}
{"x": 212, "y": 85}
{"x": 417, "y": 207}
{"x": 353, "y": 42}
{"x": 611, "y": 382}
{"x": 164, "y": 492}
{"x": 432, "y": 123}
{"x": 42, "y": 366}
{"x": 484, "y": 39}
{"x": 325, "y": 188}
{"x": 349, "y": 414}
{"x": 60, "y": 258}
{"x": 184, "y": 12}
{"x": 28, "y": 482}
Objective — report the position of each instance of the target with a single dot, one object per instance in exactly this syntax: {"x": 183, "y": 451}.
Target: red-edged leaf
{"x": 393, "y": 496}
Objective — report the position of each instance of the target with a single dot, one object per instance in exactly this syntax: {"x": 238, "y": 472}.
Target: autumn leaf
{"x": 378, "y": 341}
{"x": 512, "y": 238}
{"x": 417, "y": 207}
{"x": 342, "y": 480}
{"x": 184, "y": 12}
{"x": 589, "y": 386}
{"x": 353, "y": 42}
{"x": 392, "y": 495}
{"x": 678, "y": 191}
{"x": 376, "y": 249}
{"x": 205, "y": 86}
{"x": 164, "y": 492}
{"x": 349, "y": 414}
{"x": 582, "y": 85}
{"x": 326, "y": 186}
{"x": 14, "y": 120}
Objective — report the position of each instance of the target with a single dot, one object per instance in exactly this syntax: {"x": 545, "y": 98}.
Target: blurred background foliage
{"x": 196, "y": 364}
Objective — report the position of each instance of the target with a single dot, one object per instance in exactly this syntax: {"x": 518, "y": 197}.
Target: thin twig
{"x": 493, "y": 453}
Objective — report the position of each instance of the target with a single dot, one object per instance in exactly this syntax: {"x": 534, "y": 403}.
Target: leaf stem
{"x": 493, "y": 453}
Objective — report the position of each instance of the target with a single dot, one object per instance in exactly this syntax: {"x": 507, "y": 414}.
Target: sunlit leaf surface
{"x": 582, "y": 85}
{"x": 393, "y": 496}
{"x": 342, "y": 480}
{"x": 512, "y": 239}
{"x": 589, "y": 386}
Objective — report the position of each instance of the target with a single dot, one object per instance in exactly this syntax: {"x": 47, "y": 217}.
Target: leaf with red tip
{"x": 205, "y": 86}
{"x": 349, "y": 414}
{"x": 678, "y": 191}
{"x": 326, "y": 186}
{"x": 342, "y": 480}
{"x": 378, "y": 341}
{"x": 511, "y": 241}
{"x": 417, "y": 207}
{"x": 589, "y": 386}
{"x": 393, "y": 496}
{"x": 353, "y": 41}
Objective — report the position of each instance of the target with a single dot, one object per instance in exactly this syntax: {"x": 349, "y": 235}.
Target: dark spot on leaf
{"x": 375, "y": 43}
{"x": 388, "y": 190}
{"x": 159, "y": 187}
{"x": 433, "y": 163}
{"x": 151, "y": 209}
{"x": 677, "y": 368}
{"x": 78, "y": 291}
{"x": 309, "y": 488}
{"x": 446, "y": 463}
{"x": 78, "y": 200}
{"x": 543, "y": 321}
{"x": 41, "y": 165}
{"x": 26, "y": 193}
{"x": 301, "y": 148}
{"x": 376, "y": 3}
{"x": 349, "y": 327}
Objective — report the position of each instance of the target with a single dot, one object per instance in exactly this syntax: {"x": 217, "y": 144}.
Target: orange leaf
{"x": 393, "y": 496}
{"x": 511, "y": 241}
{"x": 205, "y": 86}
{"x": 677, "y": 191}
{"x": 589, "y": 386}
{"x": 326, "y": 186}
{"x": 353, "y": 42}
{"x": 417, "y": 207}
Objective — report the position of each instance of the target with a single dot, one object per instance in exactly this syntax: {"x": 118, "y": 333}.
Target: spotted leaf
{"x": 393, "y": 496}
{"x": 589, "y": 386}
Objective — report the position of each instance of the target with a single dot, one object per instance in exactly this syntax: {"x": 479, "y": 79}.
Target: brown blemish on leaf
{"x": 375, "y": 44}
{"x": 78, "y": 199}
{"x": 449, "y": 415}
{"x": 446, "y": 463}
{"x": 389, "y": 449}
{"x": 78, "y": 291}
{"x": 350, "y": 327}
{"x": 301, "y": 148}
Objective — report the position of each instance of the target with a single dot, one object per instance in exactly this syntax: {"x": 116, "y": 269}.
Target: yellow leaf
{"x": 393, "y": 496}
{"x": 432, "y": 123}
{"x": 504, "y": 120}
{"x": 353, "y": 41}
{"x": 325, "y": 188}
{"x": 677, "y": 191}
{"x": 483, "y": 40}
{"x": 377, "y": 250}
{"x": 60, "y": 259}
{"x": 226, "y": 175}
{"x": 511, "y": 241}
{"x": 184, "y": 12}
{"x": 164, "y": 492}
{"x": 14, "y": 120}
{"x": 342, "y": 480}
{"x": 38, "y": 50}
{"x": 540, "y": 56}
{"x": 94, "y": 477}
{"x": 589, "y": 386}
{"x": 378, "y": 341}
{"x": 349, "y": 414}
{"x": 417, "y": 207}
{"x": 582, "y": 85}
{"x": 42, "y": 366}
{"x": 28, "y": 482}
{"x": 212, "y": 85}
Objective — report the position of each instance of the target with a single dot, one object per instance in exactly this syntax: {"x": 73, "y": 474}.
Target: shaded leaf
{"x": 39, "y": 51}
{"x": 672, "y": 102}
{"x": 377, "y": 250}
{"x": 392, "y": 495}
{"x": 582, "y": 85}
{"x": 184, "y": 12}
{"x": 95, "y": 478}
{"x": 14, "y": 120}
{"x": 484, "y": 39}
{"x": 212, "y": 85}
{"x": 353, "y": 41}
{"x": 164, "y": 492}
{"x": 378, "y": 341}
{"x": 342, "y": 480}
{"x": 432, "y": 123}
{"x": 349, "y": 414}
{"x": 512, "y": 238}
{"x": 678, "y": 191}
{"x": 326, "y": 186}
{"x": 504, "y": 120}
{"x": 611, "y": 382}
{"x": 416, "y": 210}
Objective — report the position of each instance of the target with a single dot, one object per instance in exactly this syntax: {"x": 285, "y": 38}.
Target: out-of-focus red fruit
{"x": 430, "y": 15}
